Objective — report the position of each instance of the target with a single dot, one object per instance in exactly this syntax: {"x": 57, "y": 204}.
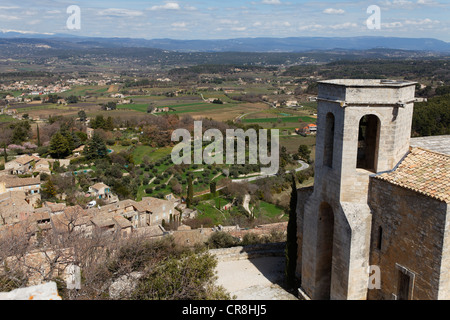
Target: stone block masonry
{"x": 363, "y": 128}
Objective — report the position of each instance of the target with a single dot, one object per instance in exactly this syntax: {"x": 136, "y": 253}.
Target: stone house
{"x": 114, "y": 224}
{"x": 21, "y": 165}
{"x": 90, "y": 132}
{"x": 159, "y": 210}
{"x": 42, "y": 166}
{"x": 28, "y": 185}
{"x": 13, "y": 205}
{"x": 78, "y": 151}
{"x": 101, "y": 191}
{"x": 376, "y": 201}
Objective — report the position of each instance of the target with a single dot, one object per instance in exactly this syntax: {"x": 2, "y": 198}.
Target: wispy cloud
{"x": 271, "y": 1}
{"x": 179, "y": 24}
{"x": 334, "y": 11}
{"x": 8, "y": 17}
{"x": 167, "y": 6}
{"x": 120, "y": 13}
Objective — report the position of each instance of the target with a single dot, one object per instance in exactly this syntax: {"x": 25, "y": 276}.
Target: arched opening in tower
{"x": 368, "y": 140}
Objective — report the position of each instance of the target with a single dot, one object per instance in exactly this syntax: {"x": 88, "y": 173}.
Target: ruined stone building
{"x": 378, "y": 199}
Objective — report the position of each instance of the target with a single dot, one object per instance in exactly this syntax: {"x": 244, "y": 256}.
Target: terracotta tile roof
{"x": 423, "y": 171}
{"x": 99, "y": 185}
{"x": 150, "y": 231}
{"x": 26, "y": 159}
{"x": 154, "y": 205}
{"x": 12, "y": 182}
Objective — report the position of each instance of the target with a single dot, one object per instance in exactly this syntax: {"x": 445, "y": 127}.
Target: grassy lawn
{"x": 293, "y": 142}
{"x": 209, "y": 209}
{"x": 282, "y": 119}
{"x": 119, "y": 148}
{"x": 154, "y": 154}
{"x": 85, "y": 90}
{"x": 44, "y": 106}
{"x": 199, "y": 107}
{"x": 135, "y": 107}
{"x": 269, "y": 210}
{"x": 5, "y": 118}
{"x": 140, "y": 152}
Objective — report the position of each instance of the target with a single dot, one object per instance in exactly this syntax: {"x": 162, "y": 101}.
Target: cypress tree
{"x": 38, "y": 136}
{"x": 5, "y": 154}
{"x": 213, "y": 187}
{"x": 291, "y": 241}
{"x": 190, "y": 192}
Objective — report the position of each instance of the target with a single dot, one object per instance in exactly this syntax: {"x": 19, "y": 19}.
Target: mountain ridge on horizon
{"x": 256, "y": 44}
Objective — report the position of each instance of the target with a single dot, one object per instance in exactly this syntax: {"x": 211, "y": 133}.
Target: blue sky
{"x": 201, "y": 19}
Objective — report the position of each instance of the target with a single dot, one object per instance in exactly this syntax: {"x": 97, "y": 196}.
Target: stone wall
{"x": 414, "y": 237}
{"x": 249, "y": 252}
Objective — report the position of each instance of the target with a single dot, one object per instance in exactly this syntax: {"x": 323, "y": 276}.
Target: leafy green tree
{"x": 82, "y": 115}
{"x": 111, "y": 105}
{"x": 48, "y": 190}
{"x": 21, "y": 132}
{"x": 96, "y": 148}
{"x": 59, "y": 146}
{"x": 304, "y": 152}
{"x": 72, "y": 99}
{"x": 432, "y": 118}
{"x": 99, "y": 122}
{"x": 52, "y": 98}
{"x": 82, "y": 136}
{"x": 109, "y": 124}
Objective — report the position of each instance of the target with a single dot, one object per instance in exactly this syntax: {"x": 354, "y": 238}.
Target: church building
{"x": 379, "y": 199}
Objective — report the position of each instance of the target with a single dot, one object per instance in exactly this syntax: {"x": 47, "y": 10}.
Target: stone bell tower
{"x": 364, "y": 127}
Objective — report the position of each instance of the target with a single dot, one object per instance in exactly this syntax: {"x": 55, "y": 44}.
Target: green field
{"x": 5, "y": 118}
{"x": 135, "y": 107}
{"x": 179, "y": 108}
{"x": 282, "y": 119}
{"x": 270, "y": 210}
{"x": 154, "y": 154}
{"x": 85, "y": 90}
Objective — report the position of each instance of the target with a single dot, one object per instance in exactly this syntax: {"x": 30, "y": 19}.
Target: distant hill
{"x": 293, "y": 44}
{"x": 299, "y": 44}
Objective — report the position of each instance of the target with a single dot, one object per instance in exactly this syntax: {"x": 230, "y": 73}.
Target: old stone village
{"x": 379, "y": 198}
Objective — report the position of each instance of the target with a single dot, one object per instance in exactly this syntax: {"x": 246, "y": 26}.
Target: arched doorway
{"x": 325, "y": 238}
{"x": 368, "y": 140}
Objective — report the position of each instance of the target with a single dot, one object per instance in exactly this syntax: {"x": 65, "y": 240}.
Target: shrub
{"x": 221, "y": 240}
{"x": 250, "y": 238}
{"x": 190, "y": 278}
{"x": 149, "y": 190}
